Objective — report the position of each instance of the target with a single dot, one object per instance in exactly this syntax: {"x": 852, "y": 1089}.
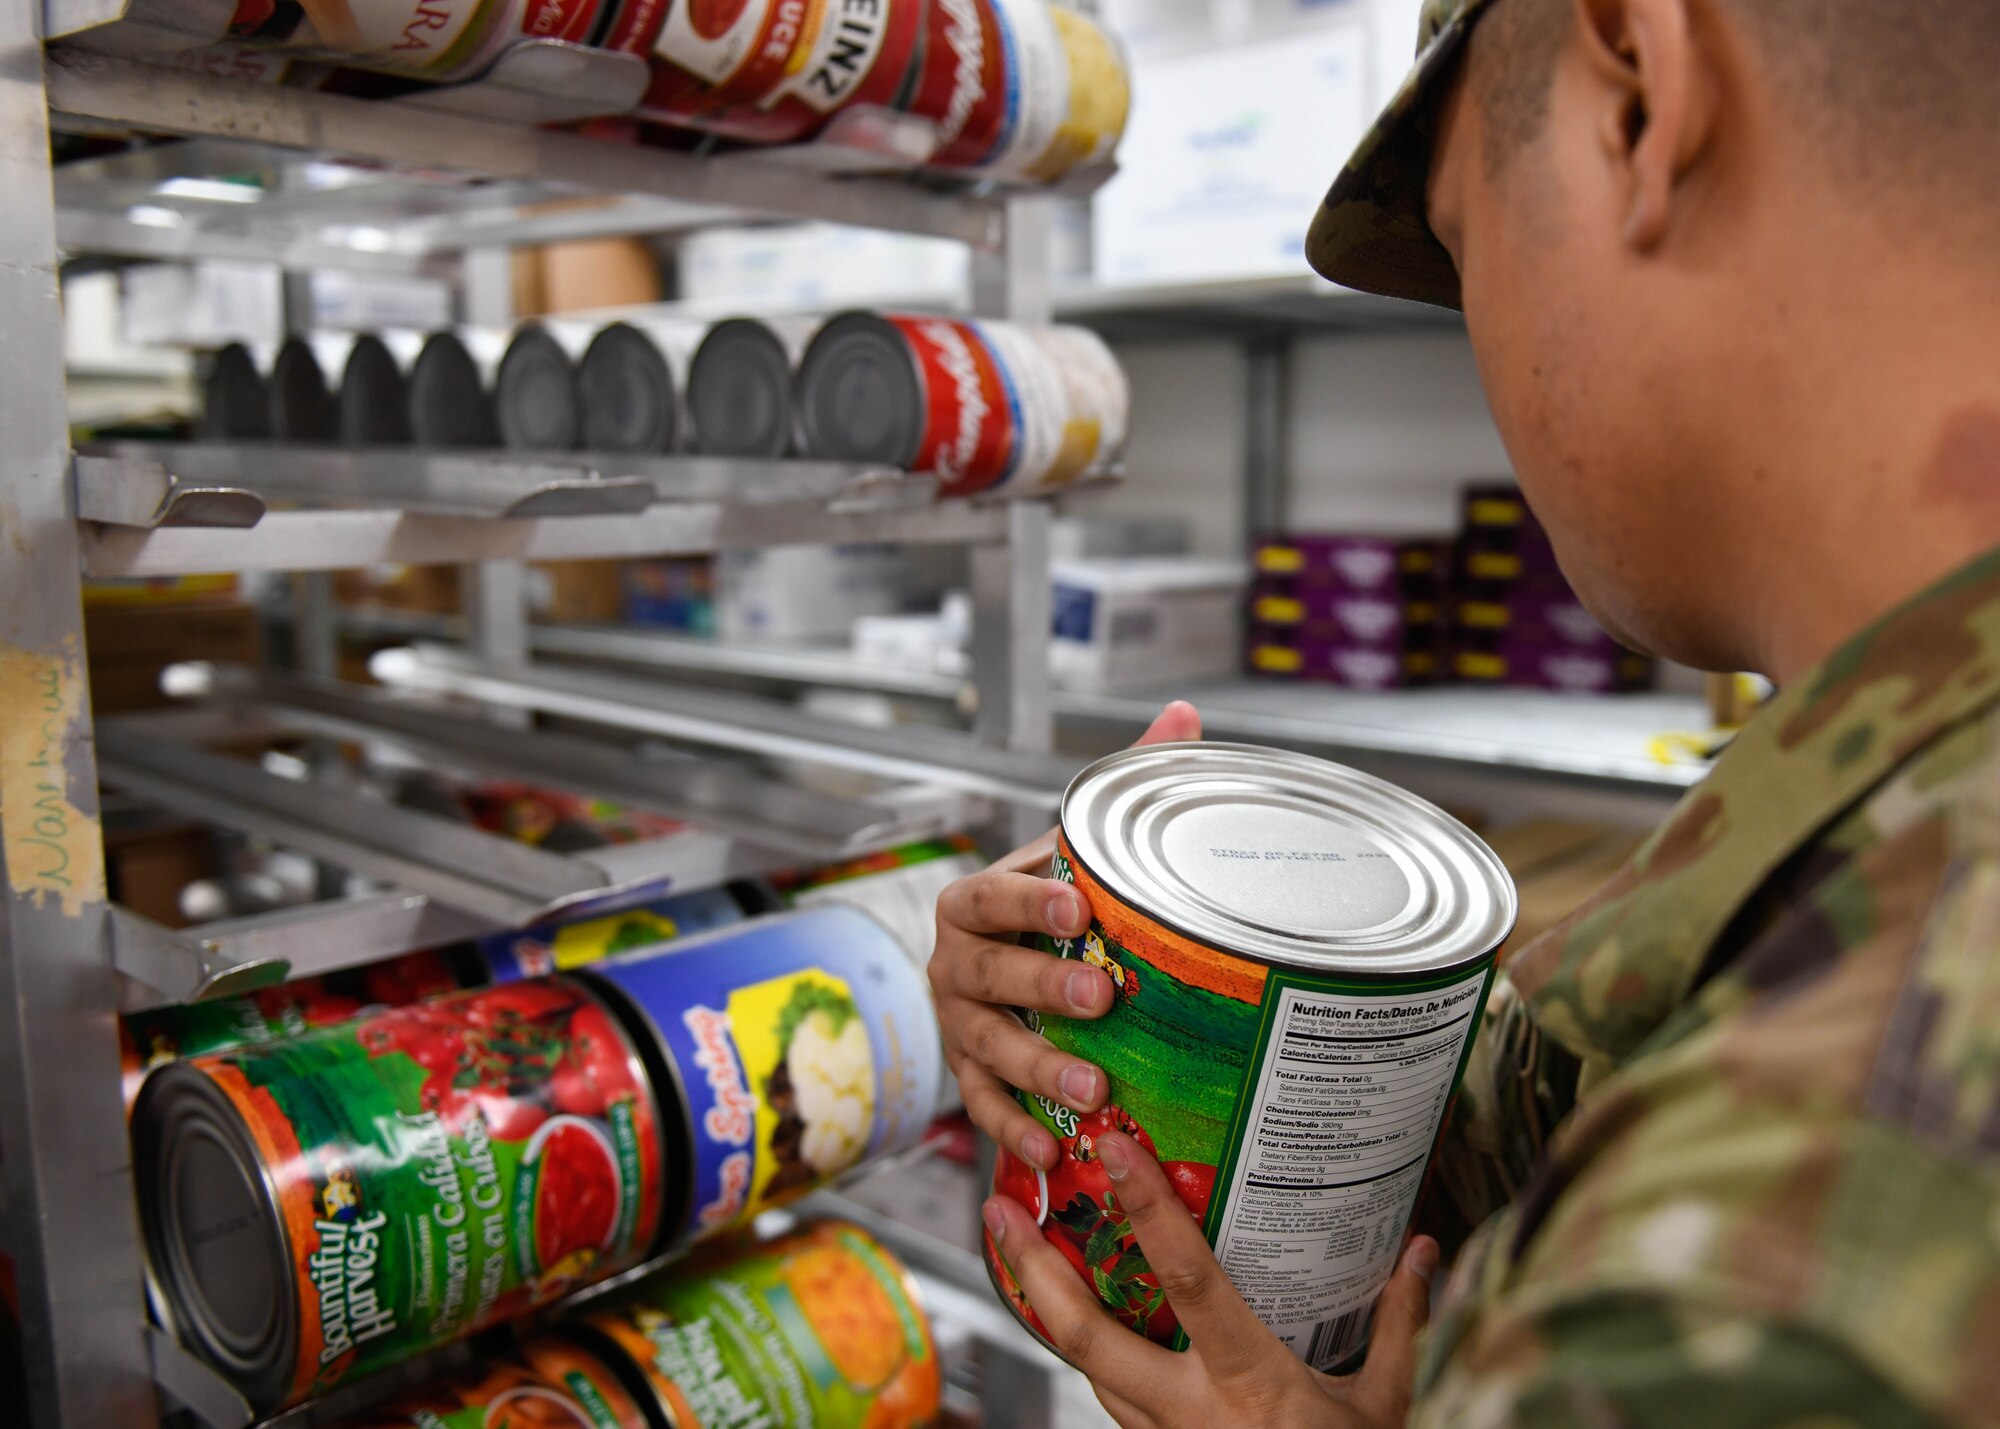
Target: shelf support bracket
{"x": 182, "y": 969}
{"x": 121, "y": 491}
{"x": 197, "y": 1388}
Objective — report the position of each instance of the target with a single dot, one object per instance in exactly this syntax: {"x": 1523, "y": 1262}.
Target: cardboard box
{"x": 430, "y": 590}
{"x": 1129, "y": 624}
{"x": 130, "y": 644}
{"x": 576, "y": 592}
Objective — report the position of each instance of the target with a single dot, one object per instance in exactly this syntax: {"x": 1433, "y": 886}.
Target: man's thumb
{"x": 1403, "y": 1309}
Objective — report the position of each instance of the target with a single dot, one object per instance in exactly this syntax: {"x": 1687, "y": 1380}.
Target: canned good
{"x": 535, "y": 401}
{"x": 739, "y": 385}
{"x": 1299, "y": 954}
{"x": 556, "y": 1384}
{"x": 1097, "y": 102}
{"x": 630, "y": 383}
{"x": 564, "y": 947}
{"x": 774, "y": 71}
{"x": 168, "y": 1034}
{"x": 435, "y": 40}
{"x": 792, "y": 1047}
{"x": 449, "y": 405}
{"x": 822, "y": 1327}
{"x": 897, "y": 887}
{"x": 301, "y": 408}
{"x": 235, "y": 402}
{"x": 374, "y": 404}
{"x": 983, "y": 404}
{"x": 324, "y": 1206}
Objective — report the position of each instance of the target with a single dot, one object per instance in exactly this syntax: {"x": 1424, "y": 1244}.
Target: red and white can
{"x": 981, "y": 404}
{"x": 429, "y": 39}
{"x": 995, "y": 83}
{"x": 774, "y": 71}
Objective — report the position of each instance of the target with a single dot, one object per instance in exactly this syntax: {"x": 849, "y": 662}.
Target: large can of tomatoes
{"x": 794, "y": 1047}
{"x": 774, "y": 71}
{"x": 556, "y": 1383}
{"x": 1299, "y": 955}
{"x": 822, "y": 1327}
{"x": 167, "y": 1034}
{"x": 982, "y": 404}
{"x": 324, "y": 1206}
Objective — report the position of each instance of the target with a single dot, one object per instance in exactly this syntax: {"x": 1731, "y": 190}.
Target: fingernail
{"x": 996, "y": 1221}
{"x": 1065, "y": 913}
{"x": 1038, "y": 1148}
{"x": 1078, "y": 1084}
{"x": 1116, "y": 1161}
{"x": 1422, "y": 1259}
{"x": 1081, "y": 990}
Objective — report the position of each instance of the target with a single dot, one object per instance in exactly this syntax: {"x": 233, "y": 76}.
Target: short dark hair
{"x": 1899, "y": 86}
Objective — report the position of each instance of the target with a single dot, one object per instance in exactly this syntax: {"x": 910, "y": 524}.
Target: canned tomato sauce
{"x": 556, "y": 1384}
{"x": 793, "y": 1048}
{"x": 823, "y": 1327}
{"x": 1299, "y": 955}
{"x": 322, "y": 1207}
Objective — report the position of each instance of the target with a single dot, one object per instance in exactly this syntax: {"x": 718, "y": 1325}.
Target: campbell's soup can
{"x": 450, "y": 402}
{"x": 373, "y": 408}
{"x": 536, "y": 403}
{"x": 993, "y": 80}
{"x": 821, "y": 1327}
{"x": 1299, "y": 955}
{"x": 629, "y": 384}
{"x": 319, "y": 1208}
{"x": 793, "y": 1047}
{"x": 429, "y": 39}
{"x": 556, "y": 1383}
{"x": 270, "y": 1014}
{"x": 1097, "y": 411}
{"x": 235, "y": 399}
{"x": 739, "y": 385}
{"x": 982, "y": 404}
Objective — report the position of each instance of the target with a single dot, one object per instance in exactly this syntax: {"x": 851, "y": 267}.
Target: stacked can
{"x": 324, "y": 1205}
{"x": 1364, "y": 611}
{"x": 822, "y": 1327}
{"x": 739, "y": 385}
{"x": 630, "y": 383}
{"x": 435, "y": 40}
{"x": 1515, "y": 620}
{"x": 982, "y": 404}
{"x": 554, "y": 1383}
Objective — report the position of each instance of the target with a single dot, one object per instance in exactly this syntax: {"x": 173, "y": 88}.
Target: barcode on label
{"x": 1335, "y": 1340}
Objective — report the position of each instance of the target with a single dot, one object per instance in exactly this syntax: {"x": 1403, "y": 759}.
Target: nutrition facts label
{"x": 1346, "y": 1104}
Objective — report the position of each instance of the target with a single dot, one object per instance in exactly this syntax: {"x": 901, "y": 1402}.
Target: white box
{"x": 805, "y": 593}
{"x": 1131, "y": 624}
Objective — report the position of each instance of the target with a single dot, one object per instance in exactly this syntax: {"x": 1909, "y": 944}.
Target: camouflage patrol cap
{"x": 1370, "y": 232}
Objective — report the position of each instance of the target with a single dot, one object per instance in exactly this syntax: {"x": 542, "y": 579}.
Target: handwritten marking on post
{"x": 54, "y": 851}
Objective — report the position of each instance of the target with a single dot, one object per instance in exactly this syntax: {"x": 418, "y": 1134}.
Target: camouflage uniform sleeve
{"x": 1518, "y": 1085}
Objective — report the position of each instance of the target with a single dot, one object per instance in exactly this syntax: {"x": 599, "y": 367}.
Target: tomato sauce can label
{"x": 556, "y": 1384}
{"x": 801, "y": 1045}
{"x": 821, "y": 1327}
{"x": 429, "y": 39}
{"x": 1299, "y": 955}
{"x": 325, "y": 1206}
{"x": 971, "y": 410}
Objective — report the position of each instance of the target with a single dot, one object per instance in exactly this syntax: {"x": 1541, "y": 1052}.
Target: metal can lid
{"x": 626, "y": 391}
{"x": 535, "y": 394}
{"x": 860, "y": 394}
{"x": 739, "y": 391}
{"x": 214, "y": 1231}
{"x": 235, "y": 403}
{"x": 374, "y": 407}
{"x": 448, "y": 402}
{"x": 1288, "y": 859}
{"x": 301, "y": 407}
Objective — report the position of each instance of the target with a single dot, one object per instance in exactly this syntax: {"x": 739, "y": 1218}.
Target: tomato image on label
{"x": 711, "y": 19}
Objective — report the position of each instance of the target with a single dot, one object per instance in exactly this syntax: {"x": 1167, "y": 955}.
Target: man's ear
{"x": 1659, "y": 101}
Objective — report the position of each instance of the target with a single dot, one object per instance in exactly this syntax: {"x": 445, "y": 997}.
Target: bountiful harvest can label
{"x": 425, "y": 1172}
{"x": 1294, "y": 1107}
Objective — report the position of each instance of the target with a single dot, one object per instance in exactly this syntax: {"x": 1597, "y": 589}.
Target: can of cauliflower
{"x": 794, "y": 1048}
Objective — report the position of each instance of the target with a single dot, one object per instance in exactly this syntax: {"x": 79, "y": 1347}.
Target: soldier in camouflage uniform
{"x": 1730, "y": 1135}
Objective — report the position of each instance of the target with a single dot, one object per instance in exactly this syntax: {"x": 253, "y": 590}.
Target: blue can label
{"x": 582, "y": 942}
{"x": 804, "y": 1045}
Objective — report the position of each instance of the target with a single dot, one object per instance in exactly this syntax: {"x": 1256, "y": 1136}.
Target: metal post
{"x": 66, "y": 1216}
{"x": 1266, "y": 419}
{"x": 494, "y": 594}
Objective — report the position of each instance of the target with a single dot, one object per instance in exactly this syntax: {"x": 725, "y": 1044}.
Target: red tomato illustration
{"x": 712, "y": 18}
{"x": 1193, "y": 1182}
{"x": 576, "y": 1195}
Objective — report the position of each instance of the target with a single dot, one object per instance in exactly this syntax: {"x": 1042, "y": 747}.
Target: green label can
{"x": 1299, "y": 956}
{"x": 555, "y": 1384}
{"x": 323, "y": 1206}
{"x": 822, "y": 1327}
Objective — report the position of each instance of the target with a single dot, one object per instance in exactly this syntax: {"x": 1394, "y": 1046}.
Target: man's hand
{"x": 1235, "y": 1371}
{"x": 978, "y": 973}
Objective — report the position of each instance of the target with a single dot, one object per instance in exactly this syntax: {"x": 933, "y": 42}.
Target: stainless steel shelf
{"x": 104, "y": 90}
{"x": 936, "y": 757}
{"x": 1243, "y": 307}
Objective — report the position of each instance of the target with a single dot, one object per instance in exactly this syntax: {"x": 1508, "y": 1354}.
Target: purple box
{"x": 1554, "y": 668}
{"x": 1352, "y": 666}
{"x": 1359, "y": 563}
{"x": 1530, "y": 619}
{"x": 1378, "y": 620}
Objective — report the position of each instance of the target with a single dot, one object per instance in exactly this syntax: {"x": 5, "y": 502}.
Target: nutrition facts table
{"x": 1347, "y": 1102}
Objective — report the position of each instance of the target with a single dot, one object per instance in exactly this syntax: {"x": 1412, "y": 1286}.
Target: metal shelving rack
{"x": 69, "y": 960}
